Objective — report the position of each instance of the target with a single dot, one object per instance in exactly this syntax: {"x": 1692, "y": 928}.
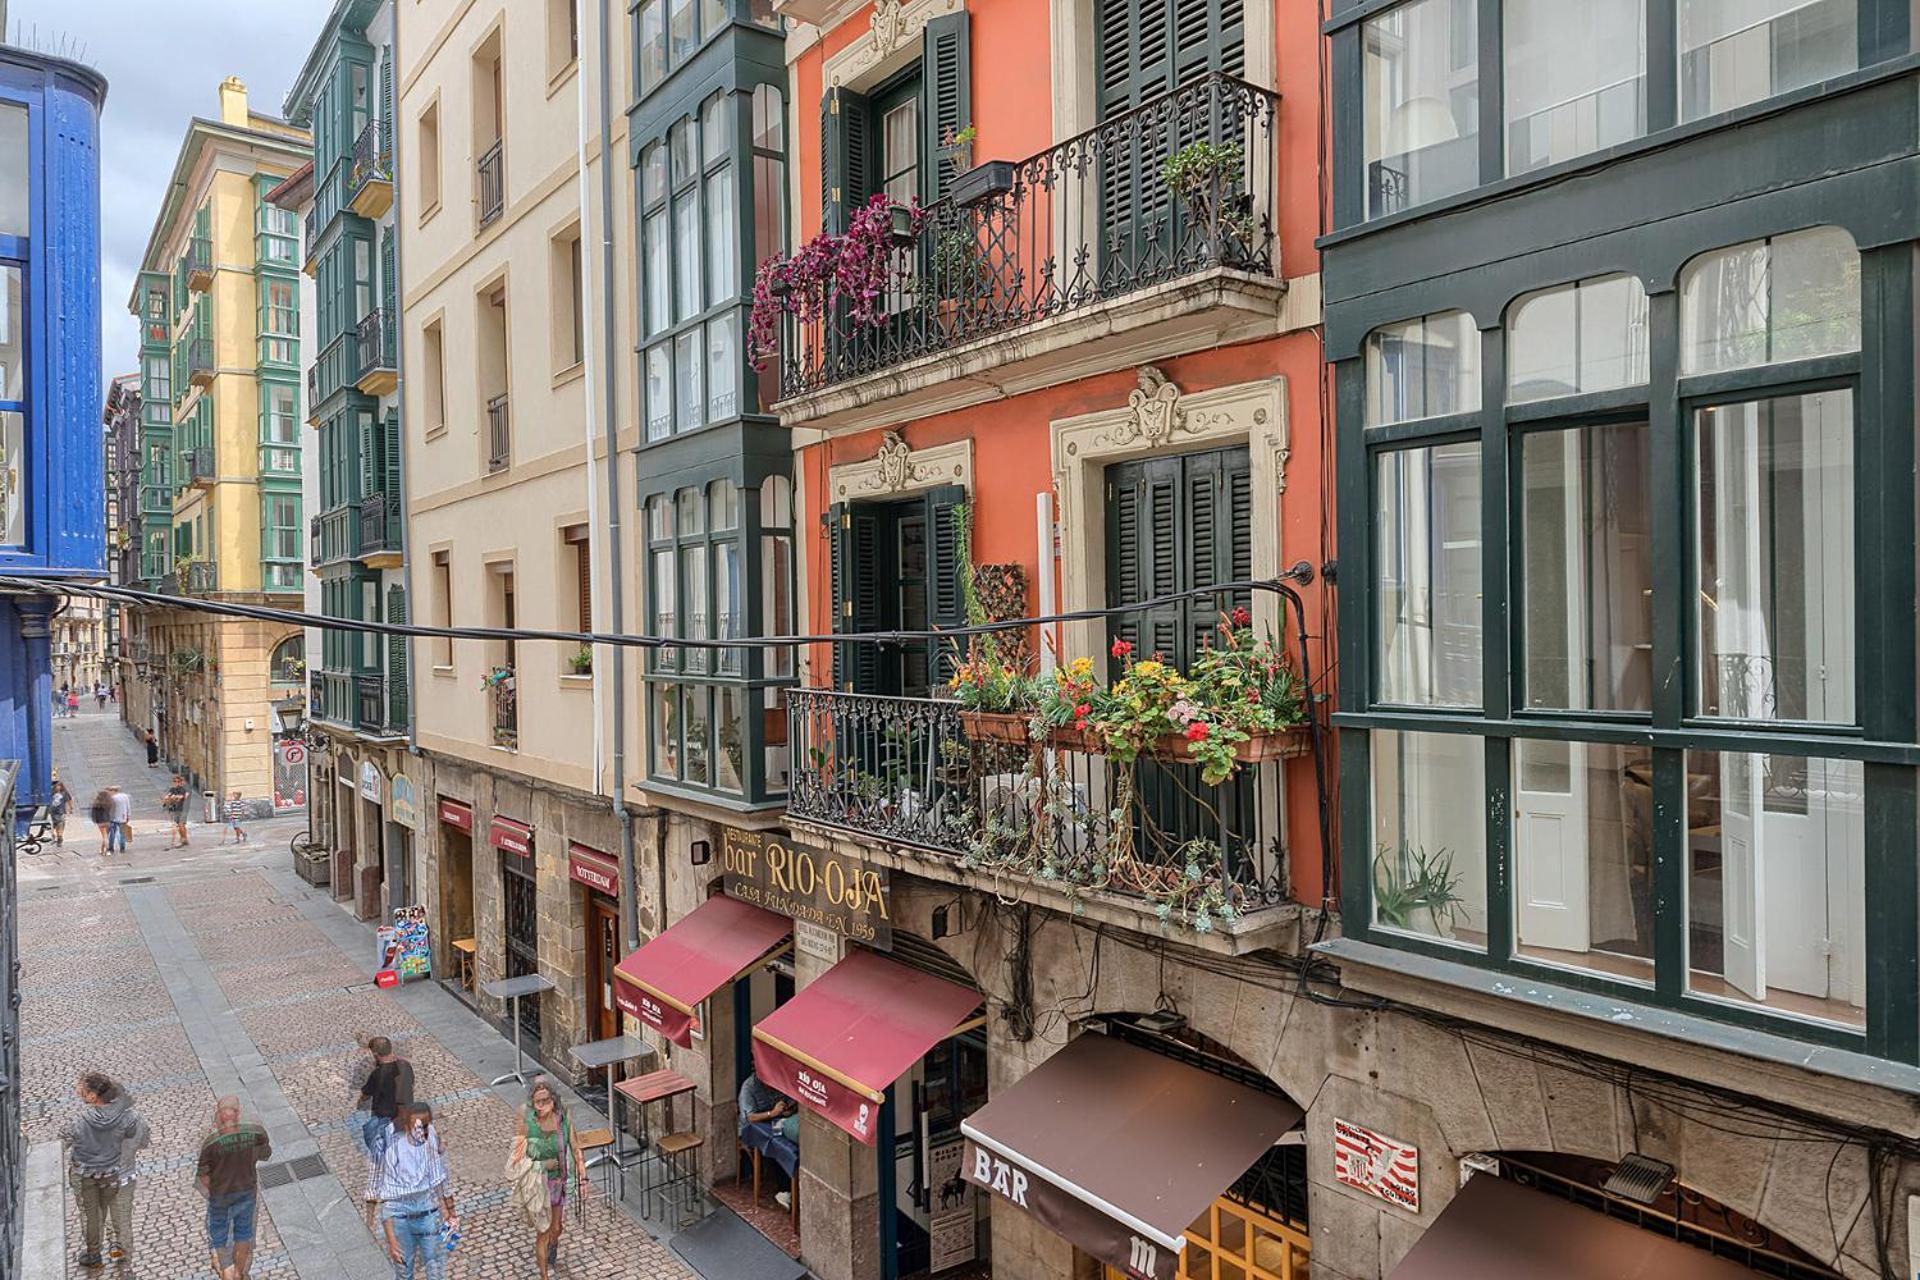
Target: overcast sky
{"x": 163, "y": 64}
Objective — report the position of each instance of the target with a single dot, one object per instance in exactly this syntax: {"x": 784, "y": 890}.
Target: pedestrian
{"x": 387, "y": 1088}
{"x": 73, "y": 704}
{"x": 120, "y": 828}
{"x": 153, "y": 749}
{"x": 226, "y": 1177}
{"x": 546, "y": 1138}
{"x": 175, "y": 803}
{"x": 101, "y": 814}
{"x": 99, "y": 696}
{"x": 236, "y": 811}
{"x": 102, "y": 1144}
{"x": 416, "y": 1195}
{"x": 59, "y": 703}
{"x": 59, "y": 805}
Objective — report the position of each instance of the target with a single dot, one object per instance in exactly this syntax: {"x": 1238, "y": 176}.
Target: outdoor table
{"x": 606, "y": 1055}
{"x": 657, "y": 1086}
{"x": 512, "y": 990}
{"x": 463, "y": 948}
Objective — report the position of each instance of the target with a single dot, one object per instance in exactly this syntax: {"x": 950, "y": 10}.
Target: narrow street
{"x": 193, "y": 974}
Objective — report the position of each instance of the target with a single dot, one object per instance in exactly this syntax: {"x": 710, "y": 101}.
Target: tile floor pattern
{"x": 94, "y": 999}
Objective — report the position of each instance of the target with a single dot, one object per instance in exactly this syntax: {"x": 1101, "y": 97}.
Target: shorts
{"x": 230, "y": 1218}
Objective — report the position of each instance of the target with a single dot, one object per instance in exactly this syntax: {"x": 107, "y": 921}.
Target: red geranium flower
{"x": 1241, "y": 617}
{"x": 1197, "y": 731}
{"x": 1121, "y": 648}
{"x": 1083, "y": 710}
{"x": 1080, "y": 724}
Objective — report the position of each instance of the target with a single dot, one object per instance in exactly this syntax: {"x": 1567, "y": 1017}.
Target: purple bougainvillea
{"x": 854, "y": 269}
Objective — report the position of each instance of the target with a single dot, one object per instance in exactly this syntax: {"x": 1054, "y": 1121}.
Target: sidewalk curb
{"x": 43, "y": 1249}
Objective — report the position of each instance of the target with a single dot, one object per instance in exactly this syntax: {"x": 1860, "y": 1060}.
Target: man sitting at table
{"x": 761, "y": 1103}
{"x": 769, "y": 1123}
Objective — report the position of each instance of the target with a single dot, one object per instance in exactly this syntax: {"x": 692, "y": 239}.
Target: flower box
{"x": 1173, "y": 748}
{"x": 982, "y": 182}
{"x": 994, "y": 726}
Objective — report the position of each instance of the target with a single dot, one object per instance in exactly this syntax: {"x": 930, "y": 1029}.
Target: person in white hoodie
{"x": 103, "y": 1142}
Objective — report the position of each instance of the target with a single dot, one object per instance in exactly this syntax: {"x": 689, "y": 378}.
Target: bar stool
{"x": 592, "y": 1142}
{"x": 678, "y": 1184}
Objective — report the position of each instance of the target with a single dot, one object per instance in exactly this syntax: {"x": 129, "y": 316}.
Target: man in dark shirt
{"x": 388, "y": 1088}
{"x": 227, "y": 1179}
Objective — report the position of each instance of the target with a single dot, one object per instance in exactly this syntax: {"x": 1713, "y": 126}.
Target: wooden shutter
{"x": 386, "y": 102}
{"x": 1218, "y": 512}
{"x": 946, "y": 606}
{"x": 845, "y": 157}
{"x": 389, "y": 282}
{"x": 370, "y": 453}
{"x": 583, "y": 568}
{"x": 946, "y": 73}
{"x": 1145, "y": 545}
{"x": 856, "y": 550}
{"x": 396, "y": 659}
{"x": 390, "y": 439}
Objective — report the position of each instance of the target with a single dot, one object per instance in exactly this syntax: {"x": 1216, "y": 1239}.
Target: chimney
{"x": 233, "y": 102}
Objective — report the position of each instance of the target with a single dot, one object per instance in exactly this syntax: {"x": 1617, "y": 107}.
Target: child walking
{"x": 236, "y": 810}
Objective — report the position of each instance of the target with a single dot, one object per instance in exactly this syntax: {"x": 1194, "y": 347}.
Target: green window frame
{"x": 278, "y": 321}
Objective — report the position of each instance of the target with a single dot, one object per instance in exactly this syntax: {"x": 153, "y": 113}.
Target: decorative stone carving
{"x": 889, "y": 26}
{"x": 897, "y": 467}
{"x": 892, "y": 33}
{"x": 1155, "y": 414}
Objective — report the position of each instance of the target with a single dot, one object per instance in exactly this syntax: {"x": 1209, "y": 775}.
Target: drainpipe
{"x": 616, "y": 573}
{"x": 588, "y": 424}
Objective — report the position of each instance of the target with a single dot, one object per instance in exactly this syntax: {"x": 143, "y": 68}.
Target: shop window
{"x": 1733, "y": 52}
{"x": 426, "y": 158}
{"x": 1427, "y": 571}
{"x": 15, "y": 184}
{"x": 1423, "y": 368}
{"x": 1429, "y": 846}
{"x": 1574, "y": 78}
{"x": 1791, "y": 297}
{"x": 288, "y": 663}
{"x": 1421, "y": 113}
{"x": 1577, "y": 338}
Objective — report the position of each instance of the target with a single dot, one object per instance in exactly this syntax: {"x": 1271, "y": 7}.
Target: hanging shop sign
{"x": 593, "y": 869}
{"x": 371, "y": 783}
{"x": 1376, "y": 1164}
{"x": 403, "y": 802}
{"x": 456, "y": 814}
{"x": 812, "y": 886}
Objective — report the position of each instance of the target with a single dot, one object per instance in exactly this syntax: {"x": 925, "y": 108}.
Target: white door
{"x": 1744, "y": 957}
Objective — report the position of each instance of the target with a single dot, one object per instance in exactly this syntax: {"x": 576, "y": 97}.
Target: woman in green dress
{"x": 547, "y": 1139}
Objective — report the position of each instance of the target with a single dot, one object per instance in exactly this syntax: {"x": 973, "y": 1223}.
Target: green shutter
{"x": 855, "y": 573}
{"x": 386, "y": 101}
{"x": 1144, "y": 524}
{"x": 396, "y": 659}
{"x": 845, "y": 156}
{"x": 946, "y": 74}
{"x": 389, "y": 283}
{"x": 391, "y": 438}
{"x": 370, "y": 453}
{"x": 946, "y": 606}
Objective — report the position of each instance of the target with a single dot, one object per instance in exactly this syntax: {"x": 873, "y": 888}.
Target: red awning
{"x": 594, "y": 869}
{"x": 853, "y": 1031}
{"x": 663, "y": 982}
{"x": 514, "y": 837}
{"x": 454, "y": 813}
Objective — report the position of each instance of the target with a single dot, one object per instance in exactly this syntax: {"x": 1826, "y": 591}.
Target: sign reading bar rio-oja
{"x": 831, "y": 890}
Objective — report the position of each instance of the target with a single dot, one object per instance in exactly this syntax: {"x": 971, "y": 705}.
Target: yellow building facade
{"x": 217, "y": 301}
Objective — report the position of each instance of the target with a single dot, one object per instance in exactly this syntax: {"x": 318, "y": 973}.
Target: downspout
{"x": 400, "y": 392}
{"x": 588, "y": 424}
{"x": 616, "y": 573}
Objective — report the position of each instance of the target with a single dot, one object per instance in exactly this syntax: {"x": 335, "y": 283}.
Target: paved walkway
{"x": 189, "y": 974}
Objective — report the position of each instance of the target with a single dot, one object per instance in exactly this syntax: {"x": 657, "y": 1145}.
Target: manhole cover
{"x": 308, "y": 1166}
{"x": 359, "y": 987}
{"x": 138, "y": 880}
{"x": 273, "y": 1175}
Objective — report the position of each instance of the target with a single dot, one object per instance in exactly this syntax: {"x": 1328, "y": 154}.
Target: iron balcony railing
{"x": 905, "y": 771}
{"x": 374, "y": 337}
{"x": 499, "y": 433}
{"x": 1182, "y": 184}
{"x": 200, "y": 358}
{"x": 199, "y": 258}
{"x": 492, "y": 173}
{"x": 201, "y": 577}
{"x": 379, "y": 523}
{"x": 198, "y": 463}
{"x": 505, "y": 705}
{"x": 370, "y": 703}
{"x": 372, "y": 158}
{"x": 317, "y": 696}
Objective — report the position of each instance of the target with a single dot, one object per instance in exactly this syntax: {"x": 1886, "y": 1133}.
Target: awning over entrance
{"x": 853, "y": 1031}
{"x": 1498, "y": 1230}
{"x": 663, "y": 982}
{"x": 512, "y": 835}
{"x": 1118, "y": 1149}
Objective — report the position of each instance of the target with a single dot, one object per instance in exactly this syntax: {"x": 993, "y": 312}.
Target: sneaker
{"x": 784, "y": 1199}
{"x": 89, "y": 1259}
{"x": 117, "y": 1254}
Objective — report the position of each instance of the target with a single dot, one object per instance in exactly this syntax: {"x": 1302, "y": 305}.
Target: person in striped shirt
{"x": 236, "y": 810}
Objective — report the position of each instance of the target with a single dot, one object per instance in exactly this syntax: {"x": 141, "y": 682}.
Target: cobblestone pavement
{"x": 189, "y": 974}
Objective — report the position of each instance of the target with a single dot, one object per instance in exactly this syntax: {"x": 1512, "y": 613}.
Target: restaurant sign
{"x": 812, "y": 886}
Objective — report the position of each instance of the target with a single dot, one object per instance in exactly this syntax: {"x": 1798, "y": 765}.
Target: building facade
{"x": 1620, "y": 315}
{"x": 125, "y": 465}
{"x": 359, "y": 683}
{"x": 217, "y": 304}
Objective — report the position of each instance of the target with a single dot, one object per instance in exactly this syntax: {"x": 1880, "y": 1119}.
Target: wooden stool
{"x": 680, "y": 1181}
{"x": 594, "y": 1145}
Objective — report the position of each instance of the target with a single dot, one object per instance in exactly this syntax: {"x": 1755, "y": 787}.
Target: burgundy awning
{"x": 594, "y": 869}
{"x": 455, "y": 813}
{"x": 1498, "y": 1230}
{"x": 853, "y": 1031}
{"x": 663, "y": 982}
{"x": 1119, "y": 1149}
{"x": 514, "y": 837}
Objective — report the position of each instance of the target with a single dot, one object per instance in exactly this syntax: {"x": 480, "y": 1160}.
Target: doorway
{"x": 456, "y": 901}
{"x": 372, "y": 871}
{"x": 603, "y": 953}
{"x": 896, "y": 568}
{"x": 939, "y": 1224}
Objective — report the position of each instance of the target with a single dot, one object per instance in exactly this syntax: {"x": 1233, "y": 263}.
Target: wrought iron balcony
{"x": 199, "y": 259}
{"x": 1182, "y": 184}
{"x": 505, "y": 705}
{"x": 379, "y": 524}
{"x": 197, "y": 577}
{"x": 370, "y": 179}
{"x": 370, "y": 705}
{"x": 493, "y": 187}
{"x": 200, "y": 366}
{"x": 905, "y": 772}
{"x": 499, "y": 433}
{"x": 197, "y": 464}
{"x": 317, "y": 695}
{"x": 377, "y": 371}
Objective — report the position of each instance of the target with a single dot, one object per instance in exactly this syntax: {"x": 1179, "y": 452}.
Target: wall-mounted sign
{"x": 817, "y": 941}
{"x": 403, "y": 802}
{"x": 951, "y": 1235}
{"x": 813, "y": 886}
{"x": 1376, "y": 1164}
{"x": 371, "y": 783}
{"x": 593, "y": 869}
{"x": 456, "y": 814}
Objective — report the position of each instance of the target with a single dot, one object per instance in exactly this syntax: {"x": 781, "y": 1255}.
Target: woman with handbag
{"x": 546, "y": 1140}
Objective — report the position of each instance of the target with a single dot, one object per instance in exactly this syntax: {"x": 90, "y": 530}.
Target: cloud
{"x": 163, "y": 65}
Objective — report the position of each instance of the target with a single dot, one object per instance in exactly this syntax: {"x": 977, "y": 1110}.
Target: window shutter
{"x": 370, "y": 454}
{"x": 391, "y": 439}
{"x": 389, "y": 283}
{"x": 396, "y": 659}
{"x": 855, "y": 546}
{"x": 1146, "y": 535}
{"x": 845, "y": 157}
{"x": 583, "y": 566}
{"x": 946, "y": 606}
{"x": 946, "y": 71}
{"x": 386, "y": 102}
{"x": 839, "y": 554}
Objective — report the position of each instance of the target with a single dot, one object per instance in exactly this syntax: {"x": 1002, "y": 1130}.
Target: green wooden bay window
{"x": 1628, "y": 704}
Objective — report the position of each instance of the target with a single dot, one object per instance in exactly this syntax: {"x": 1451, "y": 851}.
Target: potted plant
{"x": 956, "y": 147}
{"x": 845, "y": 278}
{"x": 582, "y": 661}
{"x": 997, "y": 698}
{"x": 1206, "y": 178}
{"x": 983, "y": 182}
{"x": 1416, "y": 890}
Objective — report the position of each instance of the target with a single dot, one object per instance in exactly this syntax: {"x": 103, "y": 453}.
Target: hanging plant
{"x": 853, "y": 271}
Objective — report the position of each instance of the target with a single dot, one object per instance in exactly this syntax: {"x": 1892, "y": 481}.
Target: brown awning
{"x": 1118, "y": 1149}
{"x": 1499, "y": 1230}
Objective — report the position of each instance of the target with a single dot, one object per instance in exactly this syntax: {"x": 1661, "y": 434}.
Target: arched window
{"x": 1427, "y": 367}
{"x": 288, "y": 664}
{"x": 1788, "y": 297}
{"x": 1577, "y": 338}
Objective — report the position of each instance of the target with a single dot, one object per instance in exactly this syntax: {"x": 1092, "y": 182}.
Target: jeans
{"x": 116, "y": 837}
{"x": 230, "y": 1219}
{"x": 374, "y": 1135}
{"x": 419, "y": 1237}
{"x": 101, "y": 1199}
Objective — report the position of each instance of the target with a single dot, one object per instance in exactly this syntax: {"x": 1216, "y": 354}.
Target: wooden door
{"x": 603, "y": 953}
